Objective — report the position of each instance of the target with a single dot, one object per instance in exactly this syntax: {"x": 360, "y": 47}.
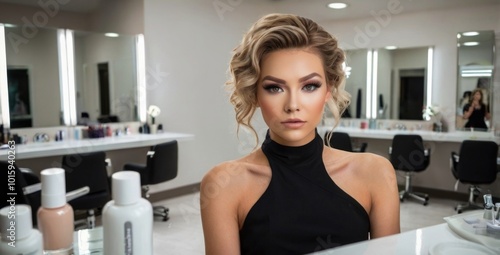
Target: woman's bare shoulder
{"x": 236, "y": 172}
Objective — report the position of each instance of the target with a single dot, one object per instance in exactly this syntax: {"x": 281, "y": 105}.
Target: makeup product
{"x": 17, "y": 234}
{"x": 55, "y": 216}
{"x": 488, "y": 214}
{"x": 127, "y": 219}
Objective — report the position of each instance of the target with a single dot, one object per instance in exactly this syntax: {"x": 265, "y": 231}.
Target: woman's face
{"x": 477, "y": 96}
{"x": 292, "y": 93}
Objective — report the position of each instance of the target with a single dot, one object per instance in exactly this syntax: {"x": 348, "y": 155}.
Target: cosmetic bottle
{"x": 55, "y": 216}
{"x": 17, "y": 234}
{"x": 488, "y": 214}
{"x": 127, "y": 220}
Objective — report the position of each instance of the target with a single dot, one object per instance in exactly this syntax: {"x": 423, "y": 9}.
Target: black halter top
{"x": 302, "y": 209}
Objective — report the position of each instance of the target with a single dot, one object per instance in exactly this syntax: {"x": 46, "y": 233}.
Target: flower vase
{"x": 153, "y": 128}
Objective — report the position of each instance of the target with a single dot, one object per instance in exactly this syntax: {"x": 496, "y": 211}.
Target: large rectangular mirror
{"x": 476, "y": 51}
{"x": 105, "y": 77}
{"x": 355, "y": 84}
{"x": 401, "y": 83}
{"x": 33, "y": 81}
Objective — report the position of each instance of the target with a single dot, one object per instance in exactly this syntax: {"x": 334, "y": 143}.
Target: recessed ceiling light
{"x": 472, "y": 33}
{"x": 111, "y": 34}
{"x": 471, "y": 43}
{"x": 337, "y": 5}
{"x": 391, "y": 47}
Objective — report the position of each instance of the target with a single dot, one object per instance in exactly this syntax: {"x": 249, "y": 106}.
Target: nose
{"x": 292, "y": 103}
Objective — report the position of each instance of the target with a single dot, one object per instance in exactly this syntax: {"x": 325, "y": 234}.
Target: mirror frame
{"x": 67, "y": 77}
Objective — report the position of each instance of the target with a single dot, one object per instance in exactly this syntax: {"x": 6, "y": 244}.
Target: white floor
{"x": 183, "y": 234}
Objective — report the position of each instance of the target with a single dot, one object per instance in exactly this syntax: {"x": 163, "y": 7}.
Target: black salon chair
{"x": 408, "y": 154}
{"x": 24, "y": 183}
{"x": 87, "y": 169}
{"x": 161, "y": 166}
{"x": 475, "y": 165}
{"x": 342, "y": 141}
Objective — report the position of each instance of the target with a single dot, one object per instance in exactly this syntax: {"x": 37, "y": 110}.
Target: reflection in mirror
{"x": 355, "y": 85}
{"x": 475, "y": 69}
{"x": 401, "y": 83}
{"x": 105, "y": 78}
{"x": 32, "y": 69}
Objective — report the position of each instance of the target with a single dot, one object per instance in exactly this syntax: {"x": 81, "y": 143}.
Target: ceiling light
{"x": 471, "y": 43}
{"x": 111, "y": 34}
{"x": 391, "y": 47}
{"x": 337, "y": 5}
{"x": 472, "y": 33}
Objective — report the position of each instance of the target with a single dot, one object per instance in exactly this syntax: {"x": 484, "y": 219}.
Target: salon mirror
{"x": 105, "y": 77}
{"x": 476, "y": 51}
{"x": 33, "y": 82}
{"x": 400, "y": 85}
{"x": 355, "y": 84}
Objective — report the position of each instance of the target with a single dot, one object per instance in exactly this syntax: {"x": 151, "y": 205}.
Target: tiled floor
{"x": 183, "y": 234}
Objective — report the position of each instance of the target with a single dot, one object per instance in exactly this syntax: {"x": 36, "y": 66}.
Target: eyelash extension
{"x": 271, "y": 87}
{"x": 316, "y": 85}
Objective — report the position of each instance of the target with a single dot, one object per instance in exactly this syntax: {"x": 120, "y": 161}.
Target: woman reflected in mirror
{"x": 476, "y": 112}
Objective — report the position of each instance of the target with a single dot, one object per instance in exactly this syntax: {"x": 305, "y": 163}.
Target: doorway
{"x": 103, "y": 73}
{"x": 411, "y": 94}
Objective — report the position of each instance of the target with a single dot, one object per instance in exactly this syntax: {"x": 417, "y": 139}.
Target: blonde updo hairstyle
{"x": 276, "y": 32}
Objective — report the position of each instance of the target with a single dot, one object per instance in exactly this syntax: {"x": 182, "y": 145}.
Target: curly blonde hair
{"x": 276, "y": 32}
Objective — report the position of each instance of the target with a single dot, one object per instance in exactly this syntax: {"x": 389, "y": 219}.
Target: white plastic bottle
{"x": 17, "y": 232}
{"x": 127, "y": 220}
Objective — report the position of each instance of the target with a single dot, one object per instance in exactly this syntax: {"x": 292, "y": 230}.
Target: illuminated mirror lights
{"x": 141, "y": 77}
{"x": 3, "y": 78}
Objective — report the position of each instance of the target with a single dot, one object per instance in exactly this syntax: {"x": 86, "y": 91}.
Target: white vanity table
{"x": 47, "y": 149}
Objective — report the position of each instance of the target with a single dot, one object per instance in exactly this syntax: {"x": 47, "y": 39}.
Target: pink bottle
{"x": 55, "y": 216}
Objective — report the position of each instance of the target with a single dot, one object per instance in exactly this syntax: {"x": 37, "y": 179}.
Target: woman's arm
{"x": 468, "y": 109}
{"x": 384, "y": 212}
{"x": 218, "y": 205}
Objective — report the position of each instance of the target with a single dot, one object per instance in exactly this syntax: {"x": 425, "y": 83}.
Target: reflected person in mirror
{"x": 293, "y": 195}
{"x": 476, "y": 112}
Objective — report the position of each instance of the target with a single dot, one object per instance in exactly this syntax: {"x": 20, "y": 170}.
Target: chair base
{"x": 424, "y": 198}
{"x": 474, "y": 192}
{"x": 407, "y": 192}
{"x": 161, "y": 211}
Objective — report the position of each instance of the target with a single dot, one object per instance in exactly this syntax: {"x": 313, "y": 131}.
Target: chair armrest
{"x": 77, "y": 193}
{"x": 30, "y": 189}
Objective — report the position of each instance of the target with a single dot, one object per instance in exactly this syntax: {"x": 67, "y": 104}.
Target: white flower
{"x": 153, "y": 111}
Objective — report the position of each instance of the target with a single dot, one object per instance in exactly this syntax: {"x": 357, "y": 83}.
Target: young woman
{"x": 476, "y": 111}
{"x": 293, "y": 195}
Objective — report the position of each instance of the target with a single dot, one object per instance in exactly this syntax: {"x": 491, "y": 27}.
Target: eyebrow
{"x": 305, "y": 78}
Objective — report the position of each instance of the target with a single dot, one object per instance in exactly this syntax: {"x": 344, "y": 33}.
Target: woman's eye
{"x": 273, "y": 88}
{"x": 311, "y": 87}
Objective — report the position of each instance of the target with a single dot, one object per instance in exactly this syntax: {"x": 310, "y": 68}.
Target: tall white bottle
{"x": 127, "y": 219}
{"x": 18, "y": 237}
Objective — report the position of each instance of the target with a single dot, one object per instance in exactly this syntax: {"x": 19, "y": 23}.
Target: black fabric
{"x": 477, "y": 162}
{"x": 87, "y": 169}
{"x": 15, "y": 180}
{"x": 339, "y": 140}
{"x": 476, "y": 119}
{"x": 408, "y": 153}
{"x": 160, "y": 167}
{"x": 302, "y": 209}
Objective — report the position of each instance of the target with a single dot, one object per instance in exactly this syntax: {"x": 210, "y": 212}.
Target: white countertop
{"x": 419, "y": 241}
{"x": 457, "y": 136}
{"x": 45, "y": 149}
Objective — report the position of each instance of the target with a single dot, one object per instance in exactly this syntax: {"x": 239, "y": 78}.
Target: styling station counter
{"x": 120, "y": 149}
{"x": 438, "y": 175}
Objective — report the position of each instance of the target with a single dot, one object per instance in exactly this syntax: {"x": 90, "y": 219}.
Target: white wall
{"x": 188, "y": 46}
{"x": 356, "y": 59}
